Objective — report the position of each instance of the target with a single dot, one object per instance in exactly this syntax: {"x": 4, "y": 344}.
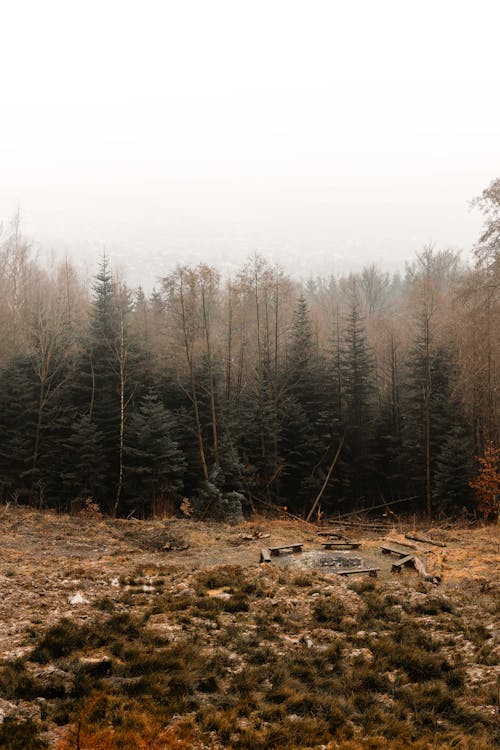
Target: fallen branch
{"x": 363, "y": 525}
{"x": 377, "y": 507}
{"x": 327, "y": 479}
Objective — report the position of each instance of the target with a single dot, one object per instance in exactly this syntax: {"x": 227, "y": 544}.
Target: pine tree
{"x": 451, "y": 490}
{"x": 358, "y": 405}
{"x": 155, "y": 465}
{"x": 429, "y": 413}
{"x": 85, "y": 455}
{"x": 299, "y": 447}
{"x": 18, "y": 411}
{"x": 304, "y": 424}
{"x": 104, "y": 381}
{"x": 388, "y": 429}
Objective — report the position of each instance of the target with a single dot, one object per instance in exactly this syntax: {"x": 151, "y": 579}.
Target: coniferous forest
{"x": 359, "y": 389}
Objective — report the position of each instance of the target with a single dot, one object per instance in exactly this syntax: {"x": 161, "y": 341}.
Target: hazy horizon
{"x": 325, "y": 136}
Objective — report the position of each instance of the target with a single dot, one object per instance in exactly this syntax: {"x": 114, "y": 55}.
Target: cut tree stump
{"x": 292, "y": 547}
{"x": 403, "y": 562}
{"x": 354, "y": 571}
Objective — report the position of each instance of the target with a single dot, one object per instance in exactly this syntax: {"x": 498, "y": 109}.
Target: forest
{"x": 258, "y": 389}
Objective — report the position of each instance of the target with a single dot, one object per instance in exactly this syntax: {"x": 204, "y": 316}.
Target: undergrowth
{"x": 244, "y": 664}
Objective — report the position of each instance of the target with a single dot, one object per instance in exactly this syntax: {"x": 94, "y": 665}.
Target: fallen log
{"x": 437, "y": 570}
{"x": 422, "y": 571}
{"x": 366, "y": 525}
{"x": 401, "y": 544}
{"x": 418, "y": 538}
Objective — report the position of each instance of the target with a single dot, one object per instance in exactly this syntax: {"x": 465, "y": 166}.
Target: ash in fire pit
{"x": 315, "y": 559}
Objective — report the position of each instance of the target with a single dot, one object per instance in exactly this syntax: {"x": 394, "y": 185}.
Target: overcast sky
{"x": 325, "y": 134}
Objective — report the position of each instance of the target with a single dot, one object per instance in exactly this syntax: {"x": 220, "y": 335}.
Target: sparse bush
{"x": 330, "y": 611}
{"x": 105, "y": 604}
{"x": 20, "y": 734}
{"x": 60, "y": 640}
{"x": 16, "y": 683}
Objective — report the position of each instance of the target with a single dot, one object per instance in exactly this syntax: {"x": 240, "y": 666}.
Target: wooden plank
{"x": 354, "y": 571}
{"x": 387, "y": 549}
{"x": 418, "y": 538}
{"x": 331, "y": 534}
{"x": 265, "y": 555}
{"x": 340, "y": 545}
{"x": 293, "y": 547}
{"x": 408, "y": 560}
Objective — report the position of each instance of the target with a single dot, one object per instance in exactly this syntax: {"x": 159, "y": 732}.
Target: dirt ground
{"x": 55, "y": 568}
{"x": 47, "y": 559}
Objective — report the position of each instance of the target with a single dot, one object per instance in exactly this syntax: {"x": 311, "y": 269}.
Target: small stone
{"x": 77, "y": 598}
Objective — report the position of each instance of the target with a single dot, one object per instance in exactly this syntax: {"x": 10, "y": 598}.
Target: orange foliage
{"x": 486, "y": 484}
{"x": 142, "y": 732}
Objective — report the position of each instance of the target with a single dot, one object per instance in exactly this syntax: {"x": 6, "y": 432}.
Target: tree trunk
{"x": 122, "y": 356}
{"x": 206, "y": 325}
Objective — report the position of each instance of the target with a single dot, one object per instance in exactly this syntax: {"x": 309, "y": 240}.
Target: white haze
{"x": 326, "y": 135}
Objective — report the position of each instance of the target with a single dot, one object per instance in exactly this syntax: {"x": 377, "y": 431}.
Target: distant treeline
{"x": 249, "y": 384}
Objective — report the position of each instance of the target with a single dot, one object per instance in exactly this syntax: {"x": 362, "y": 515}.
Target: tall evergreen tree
{"x": 86, "y": 471}
{"x": 304, "y": 433}
{"x": 358, "y": 405}
{"x": 18, "y": 416}
{"x": 429, "y": 413}
{"x": 155, "y": 464}
{"x": 104, "y": 380}
{"x": 453, "y": 471}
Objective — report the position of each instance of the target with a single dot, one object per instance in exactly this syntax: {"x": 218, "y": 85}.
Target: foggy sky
{"x": 326, "y": 135}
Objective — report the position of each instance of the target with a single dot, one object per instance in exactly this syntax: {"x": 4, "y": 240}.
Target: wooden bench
{"x": 292, "y": 547}
{"x": 265, "y": 555}
{"x": 332, "y": 544}
{"x": 356, "y": 571}
{"x": 387, "y": 550}
{"x": 402, "y": 562}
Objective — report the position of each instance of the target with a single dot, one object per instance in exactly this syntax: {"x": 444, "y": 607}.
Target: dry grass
{"x": 198, "y": 649}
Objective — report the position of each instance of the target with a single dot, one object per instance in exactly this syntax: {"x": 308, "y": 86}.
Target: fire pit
{"x": 314, "y": 559}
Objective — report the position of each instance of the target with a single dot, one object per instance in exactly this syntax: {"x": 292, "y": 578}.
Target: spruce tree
{"x": 104, "y": 381}
{"x": 453, "y": 471}
{"x": 18, "y": 412}
{"x": 155, "y": 464}
{"x": 305, "y": 433}
{"x": 85, "y": 455}
{"x": 358, "y": 406}
{"x": 429, "y": 413}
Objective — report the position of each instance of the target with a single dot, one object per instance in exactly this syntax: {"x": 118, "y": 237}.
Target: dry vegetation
{"x": 117, "y": 635}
